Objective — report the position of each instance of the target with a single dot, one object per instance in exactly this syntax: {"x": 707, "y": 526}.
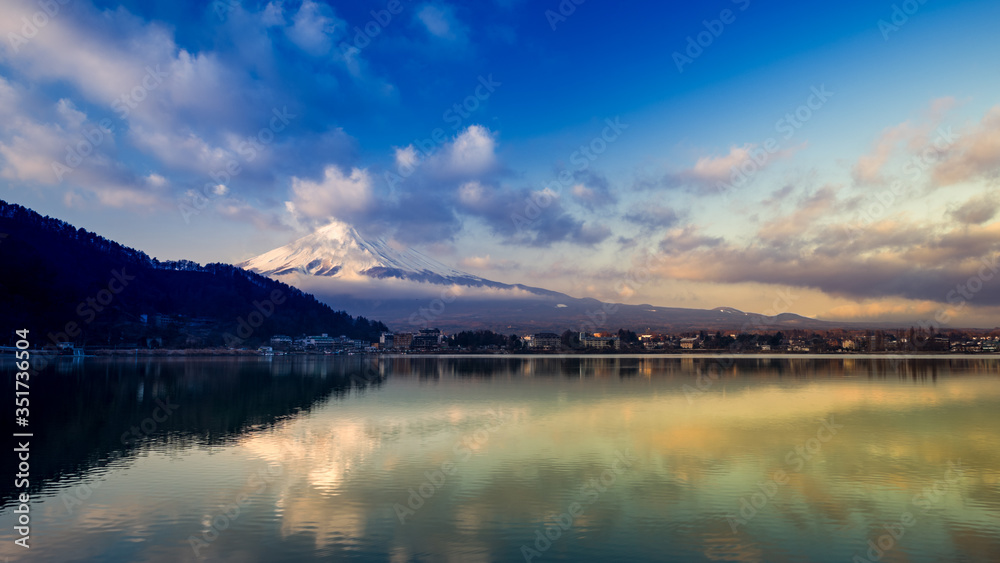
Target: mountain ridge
{"x": 360, "y": 257}
{"x": 338, "y": 264}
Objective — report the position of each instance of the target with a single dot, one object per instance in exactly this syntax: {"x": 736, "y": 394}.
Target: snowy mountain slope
{"x": 339, "y": 251}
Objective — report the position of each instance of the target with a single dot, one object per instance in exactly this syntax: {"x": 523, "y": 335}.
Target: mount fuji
{"x": 339, "y": 252}
{"x": 408, "y": 290}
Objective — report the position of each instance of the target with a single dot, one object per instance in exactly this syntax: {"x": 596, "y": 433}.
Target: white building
{"x": 599, "y": 342}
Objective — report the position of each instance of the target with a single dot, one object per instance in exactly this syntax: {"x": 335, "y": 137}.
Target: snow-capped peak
{"x": 729, "y": 310}
{"x": 338, "y": 250}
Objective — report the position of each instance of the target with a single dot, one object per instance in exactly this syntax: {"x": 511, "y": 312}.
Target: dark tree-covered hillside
{"x": 64, "y": 283}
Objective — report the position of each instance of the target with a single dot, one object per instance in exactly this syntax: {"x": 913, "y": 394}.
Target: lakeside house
{"x": 689, "y": 343}
{"x": 427, "y": 338}
{"x": 545, "y": 341}
{"x": 588, "y": 340}
{"x": 840, "y": 341}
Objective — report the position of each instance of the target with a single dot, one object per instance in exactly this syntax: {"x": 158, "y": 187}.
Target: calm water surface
{"x": 511, "y": 459}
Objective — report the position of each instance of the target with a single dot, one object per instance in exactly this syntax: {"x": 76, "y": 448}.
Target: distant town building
{"x": 600, "y": 342}
{"x": 281, "y": 342}
{"x": 545, "y": 341}
{"x": 427, "y": 338}
{"x": 402, "y": 340}
{"x": 162, "y": 320}
{"x": 322, "y": 341}
{"x": 689, "y": 343}
{"x": 386, "y": 340}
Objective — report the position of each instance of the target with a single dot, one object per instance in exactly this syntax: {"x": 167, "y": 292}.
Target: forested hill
{"x": 57, "y": 280}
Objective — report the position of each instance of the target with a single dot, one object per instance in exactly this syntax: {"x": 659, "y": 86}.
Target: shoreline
{"x": 707, "y": 354}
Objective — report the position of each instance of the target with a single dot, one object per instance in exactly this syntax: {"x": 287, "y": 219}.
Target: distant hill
{"x": 65, "y": 283}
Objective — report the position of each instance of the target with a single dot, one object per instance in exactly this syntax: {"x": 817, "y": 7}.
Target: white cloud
{"x": 314, "y": 27}
{"x": 187, "y": 152}
{"x": 441, "y": 22}
{"x": 472, "y": 152}
{"x": 273, "y": 15}
{"x": 582, "y": 192}
{"x": 136, "y": 72}
{"x": 975, "y": 153}
{"x": 713, "y": 169}
{"x": 64, "y": 148}
{"x": 30, "y": 150}
{"x": 473, "y": 195}
{"x": 718, "y": 172}
{"x": 156, "y": 180}
{"x": 337, "y": 195}
{"x": 406, "y": 157}
{"x": 869, "y": 167}
{"x": 188, "y": 110}
{"x": 910, "y": 137}
{"x": 104, "y": 54}
{"x": 486, "y": 263}
{"x": 71, "y": 116}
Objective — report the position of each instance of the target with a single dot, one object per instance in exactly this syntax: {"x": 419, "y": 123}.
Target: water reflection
{"x": 93, "y": 411}
{"x": 476, "y": 459}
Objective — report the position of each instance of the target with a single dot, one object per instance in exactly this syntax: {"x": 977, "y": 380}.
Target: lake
{"x": 505, "y": 458}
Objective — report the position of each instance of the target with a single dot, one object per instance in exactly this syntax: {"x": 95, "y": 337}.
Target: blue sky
{"x": 874, "y": 199}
